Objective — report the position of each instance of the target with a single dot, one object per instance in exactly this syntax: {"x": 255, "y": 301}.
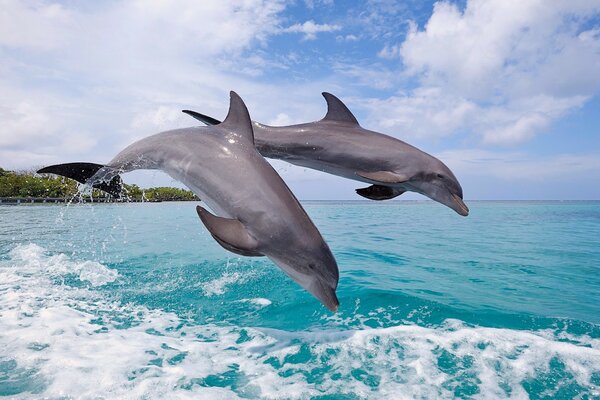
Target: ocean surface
{"x": 137, "y": 301}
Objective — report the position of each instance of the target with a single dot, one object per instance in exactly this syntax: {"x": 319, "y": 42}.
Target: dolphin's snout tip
{"x": 461, "y": 207}
{"x": 325, "y": 293}
{"x": 333, "y": 307}
{"x": 331, "y": 301}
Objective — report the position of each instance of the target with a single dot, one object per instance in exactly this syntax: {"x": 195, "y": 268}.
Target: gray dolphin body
{"x": 257, "y": 214}
{"x": 338, "y": 145}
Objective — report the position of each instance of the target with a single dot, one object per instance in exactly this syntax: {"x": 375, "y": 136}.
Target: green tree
{"x": 29, "y": 184}
{"x": 23, "y": 184}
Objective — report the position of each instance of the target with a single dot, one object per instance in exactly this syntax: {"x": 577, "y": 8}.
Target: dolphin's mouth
{"x": 462, "y": 207}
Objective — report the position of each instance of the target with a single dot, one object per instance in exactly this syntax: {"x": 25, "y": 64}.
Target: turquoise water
{"x": 138, "y": 301}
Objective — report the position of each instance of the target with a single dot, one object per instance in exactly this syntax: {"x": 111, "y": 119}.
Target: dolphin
{"x": 255, "y": 213}
{"x": 338, "y": 145}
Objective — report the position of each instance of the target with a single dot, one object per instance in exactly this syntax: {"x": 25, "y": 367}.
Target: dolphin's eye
{"x": 440, "y": 176}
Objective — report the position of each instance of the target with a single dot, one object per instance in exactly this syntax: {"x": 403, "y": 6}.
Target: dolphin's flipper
{"x": 229, "y": 233}
{"x": 205, "y": 119}
{"x": 383, "y": 176}
{"x": 337, "y": 111}
{"x": 82, "y": 172}
{"x": 379, "y": 192}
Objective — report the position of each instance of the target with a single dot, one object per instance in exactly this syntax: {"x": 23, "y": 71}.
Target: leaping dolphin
{"x": 337, "y": 144}
{"x": 256, "y": 213}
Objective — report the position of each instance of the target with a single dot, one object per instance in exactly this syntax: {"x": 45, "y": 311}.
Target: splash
{"x": 220, "y": 285}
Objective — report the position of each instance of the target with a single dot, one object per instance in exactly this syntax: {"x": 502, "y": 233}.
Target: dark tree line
{"x": 29, "y": 184}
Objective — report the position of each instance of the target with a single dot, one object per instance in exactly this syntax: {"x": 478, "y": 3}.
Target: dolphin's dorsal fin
{"x": 383, "y": 176}
{"x": 229, "y": 233}
{"x": 238, "y": 119}
{"x": 337, "y": 111}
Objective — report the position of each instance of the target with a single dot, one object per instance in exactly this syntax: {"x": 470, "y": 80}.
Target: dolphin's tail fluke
{"x": 82, "y": 172}
{"x": 202, "y": 118}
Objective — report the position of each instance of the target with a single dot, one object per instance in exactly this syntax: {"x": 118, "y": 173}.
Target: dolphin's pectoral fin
{"x": 237, "y": 250}
{"x": 383, "y": 176}
{"x": 202, "y": 118}
{"x": 229, "y": 233}
{"x": 379, "y": 192}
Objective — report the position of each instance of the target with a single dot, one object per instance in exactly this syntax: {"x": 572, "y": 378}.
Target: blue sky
{"x": 505, "y": 92}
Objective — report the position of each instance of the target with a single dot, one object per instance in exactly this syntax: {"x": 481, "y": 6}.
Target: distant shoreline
{"x": 28, "y": 187}
{"x": 76, "y": 200}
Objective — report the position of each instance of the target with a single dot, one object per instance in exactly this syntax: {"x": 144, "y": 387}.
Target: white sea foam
{"x": 258, "y": 301}
{"x": 31, "y": 258}
{"x": 219, "y": 286}
{"x": 65, "y": 346}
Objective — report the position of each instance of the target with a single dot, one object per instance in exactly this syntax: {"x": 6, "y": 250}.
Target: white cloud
{"x": 311, "y": 4}
{"x": 160, "y": 118}
{"x": 24, "y": 121}
{"x": 522, "y": 118}
{"x": 390, "y": 51}
{"x": 385, "y": 18}
{"x": 504, "y": 70}
{"x": 42, "y": 22}
{"x": 81, "y": 82}
{"x": 347, "y": 38}
{"x": 35, "y": 127}
{"x": 422, "y": 113}
{"x": 280, "y": 119}
{"x": 480, "y": 50}
{"x": 519, "y": 166}
{"x": 507, "y": 175}
{"x": 310, "y": 29}
{"x": 374, "y": 75}
{"x": 430, "y": 112}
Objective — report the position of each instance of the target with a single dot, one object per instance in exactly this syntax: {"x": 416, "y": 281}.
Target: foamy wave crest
{"x": 58, "y": 341}
{"x": 452, "y": 361}
{"x": 31, "y": 259}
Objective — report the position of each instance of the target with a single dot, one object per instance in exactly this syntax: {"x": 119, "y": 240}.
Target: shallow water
{"x": 138, "y": 301}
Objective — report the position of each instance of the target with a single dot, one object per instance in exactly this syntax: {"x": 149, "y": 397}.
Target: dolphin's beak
{"x": 326, "y": 294}
{"x": 461, "y": 208}
{"x": 442, "y": 194}
{"x": 319, "y": 278}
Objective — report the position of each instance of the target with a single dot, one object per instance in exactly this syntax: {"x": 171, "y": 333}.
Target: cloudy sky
{"x": 506, "y": 92}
